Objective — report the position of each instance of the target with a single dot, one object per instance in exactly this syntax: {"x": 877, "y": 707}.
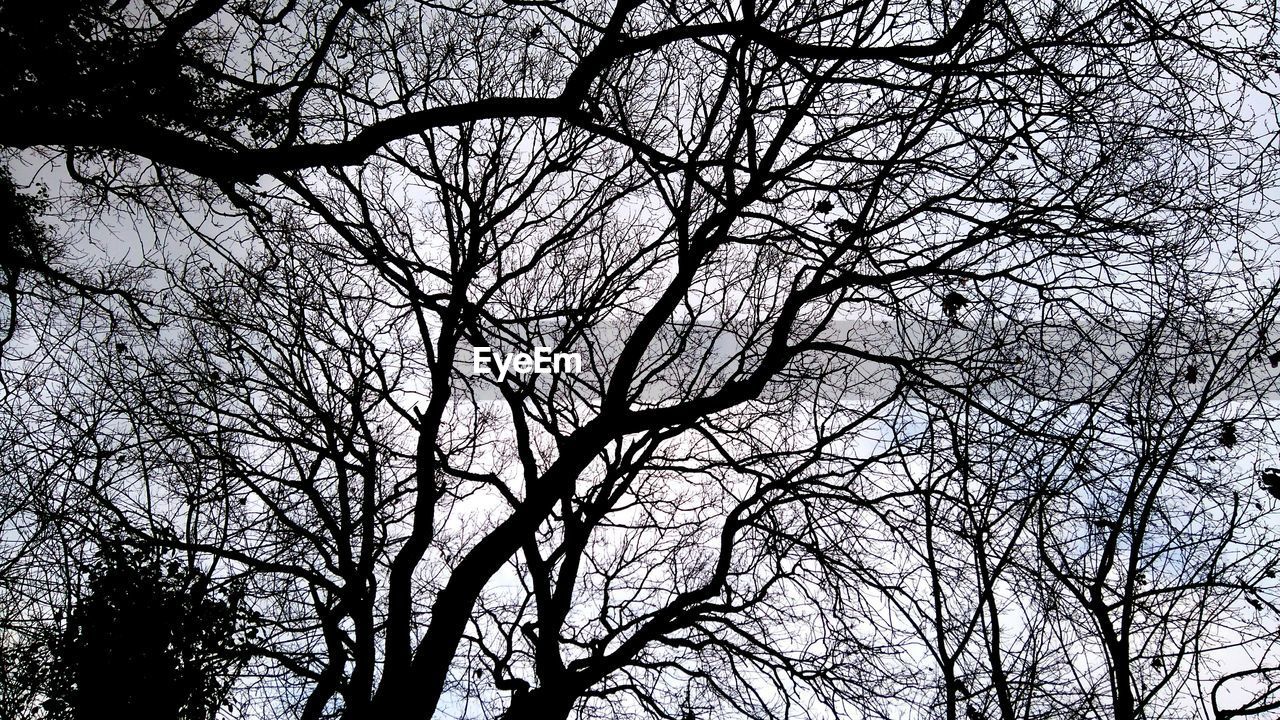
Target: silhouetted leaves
{"x": 1227, "y": 436}
{"x": 1271, "y": 481}
{"x": 843, "y": 225}
{"x": 951, "y": 305}
{"x": 67, "y": 60}
{"x": 24, "y": 669}
{"x": 24, "y": 239}
{"x": 151, "y": 639}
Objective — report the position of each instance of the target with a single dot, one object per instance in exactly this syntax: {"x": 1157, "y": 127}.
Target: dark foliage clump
{"x": 64, "y": 62}
{"x": 150, "y": 639}
{"x": 1271, "y": 483}
{"x": 1227, "y": 436}
{"x": 24, "y": 240}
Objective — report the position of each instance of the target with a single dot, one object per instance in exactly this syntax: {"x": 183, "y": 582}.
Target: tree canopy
{"x": 150, "y": 639}
{"x": 927, "y": 349}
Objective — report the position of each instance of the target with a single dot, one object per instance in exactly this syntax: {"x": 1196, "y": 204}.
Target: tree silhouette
{"x": 149, "y": 639}
{"x": 927, "y": 350}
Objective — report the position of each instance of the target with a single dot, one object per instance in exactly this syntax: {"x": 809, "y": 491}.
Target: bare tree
{"x": 924, "y": 347}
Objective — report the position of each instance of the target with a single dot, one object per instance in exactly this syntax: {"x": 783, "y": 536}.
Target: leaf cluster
{"x": 151, "y": 638}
